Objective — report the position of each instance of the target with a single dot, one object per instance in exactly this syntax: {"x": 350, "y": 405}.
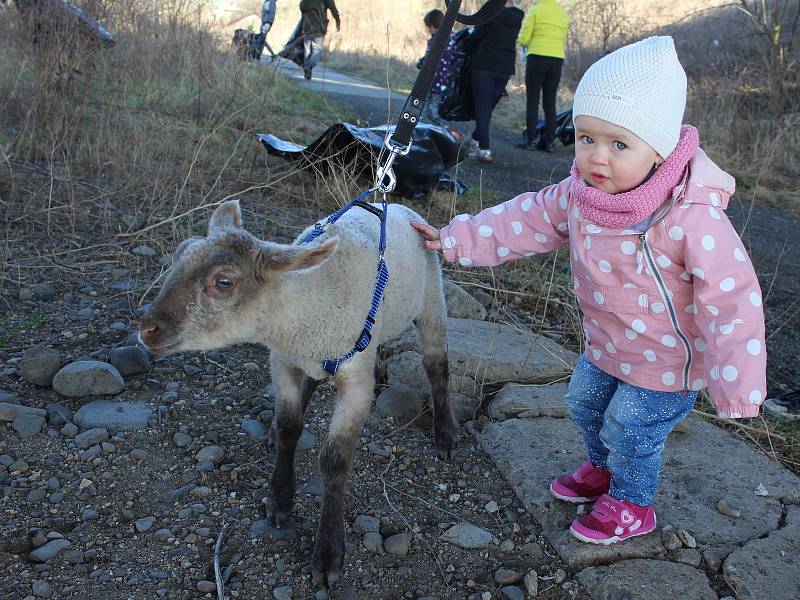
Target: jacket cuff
{"x": 448, "y": 253}
{"x": 738, "y": 411}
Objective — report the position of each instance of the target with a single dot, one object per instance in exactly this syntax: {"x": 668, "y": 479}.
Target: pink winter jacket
{"x": 677, "y": 307}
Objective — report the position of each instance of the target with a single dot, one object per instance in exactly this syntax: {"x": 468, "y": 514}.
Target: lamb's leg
{"x": 288, "y": 425}
{"x": 432, "y": 331}
{"x": 355, "y": 394}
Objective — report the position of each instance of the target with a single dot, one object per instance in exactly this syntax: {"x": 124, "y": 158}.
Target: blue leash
{"x": 332, "y": 365}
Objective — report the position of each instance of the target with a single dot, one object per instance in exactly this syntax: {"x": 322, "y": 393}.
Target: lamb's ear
{"x": 295, "y": 258}
{"x": 227, "y": 217}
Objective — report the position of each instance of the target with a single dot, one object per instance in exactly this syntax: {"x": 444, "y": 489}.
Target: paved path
{"x": 751, "y": 547}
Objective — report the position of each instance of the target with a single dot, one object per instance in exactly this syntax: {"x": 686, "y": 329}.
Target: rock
{"x": 491, "y": 507}
{"x": 181, "y": 440}
{"x": 74, "y": 557}
{"x": 40, "y": 364}
{"x": 70, "y": 430}
{"x": 255, "y": 429}
{"x": 532, "y": 583}
{"x": 687, "y": 495}
{"x": 467, "y": 535}
{"x": 28, "y": 426}
{"x": 130, "y": 360}
{"x": 262, "y": 529}
{"x": 761, "y": 490}
{"x": 41, "y": 589}
{"x": 460, "y": 304}
{"x": 144, "y": 250}
{"x": 687, "y": 538}
{"x": 212, "y": 453}
{"x": 88, "y": 378}
{"x": 49, "y": 550}
{"x": 506, "y": 577}
{"x": 91, "y": 437}
{"x": 58, "y": 414}
{"x": 366, "y": 524}
{"x": 767, "y": 567}
{"x": 373, "y": 542}
{"x": 464, "y": 407}
{"x": 8, "y": 398}
{"x": 206, "y": 587}
{"x": 115, "y": 415}
{"x": 726, "y": 508}
{"x": 144, "y": 524}
{"x": 512, "y": 592}
{"x": 282, "y": 593}
{"x": 163, "y": 535}
{"x": 516, "y": 399}
{"x": 378, "y": 449}
{"x": 713, "y": 559}
{"x": 646, "y": 580}
{"x": 688, "y": 556}
{"x": 406, "y": 369}
{"x": 398, "y": 544}
{"x": 306, "y": 441}
{"x": 9, "y": 412}
{"x": 669, "y": 539}
{"x": 400, "y": 402}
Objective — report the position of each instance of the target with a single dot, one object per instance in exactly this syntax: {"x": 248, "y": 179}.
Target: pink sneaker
{"x": 586, "y": 484}
{"x": 612, "y": 521}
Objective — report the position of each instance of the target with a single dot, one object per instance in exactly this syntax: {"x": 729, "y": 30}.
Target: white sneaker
{"x": 481, "y": 155}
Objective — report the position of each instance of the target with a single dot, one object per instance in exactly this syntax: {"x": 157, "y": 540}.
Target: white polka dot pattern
{"x": 711, "y": 290}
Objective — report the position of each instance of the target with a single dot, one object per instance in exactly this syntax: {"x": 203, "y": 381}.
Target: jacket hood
{"x": 708, "y": 184}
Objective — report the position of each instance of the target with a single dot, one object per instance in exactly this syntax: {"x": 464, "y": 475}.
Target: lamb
{"x": 307, "y": 303}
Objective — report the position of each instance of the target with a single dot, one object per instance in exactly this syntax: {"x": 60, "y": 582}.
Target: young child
{"x": 430, "y": 114}
{"x": 670, "y": 300}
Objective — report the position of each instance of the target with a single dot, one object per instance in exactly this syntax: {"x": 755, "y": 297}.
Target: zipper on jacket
{"x": 673, "y": 317}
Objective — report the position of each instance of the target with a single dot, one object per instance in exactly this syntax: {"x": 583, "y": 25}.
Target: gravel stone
{"x": 40, "y": 364}
{"x": 88, "y": 378}
{"x": 49, "y": 550}
{"x": 144, "y": 524}
{"x": 366, "y": 524}
{"x": 181, "y": 440}
{"x": 41, "y": 589}
{"x": 28, "y": 426}
{"x": 398, "y": 544}
{"x": 58, "y": 414}
{"x": 91, "y": 437}
{"x": 213, "y": 453}
{"x": 467, "y": 535}
{"x": 114, "y": 415}
{"x": 130, "y": 360}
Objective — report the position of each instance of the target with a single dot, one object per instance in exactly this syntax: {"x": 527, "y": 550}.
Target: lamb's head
{"x": 214, "y": 282}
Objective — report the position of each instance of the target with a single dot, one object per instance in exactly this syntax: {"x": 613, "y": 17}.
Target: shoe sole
{"x": 612, "y": 540}
{"x": 573, "y": 499}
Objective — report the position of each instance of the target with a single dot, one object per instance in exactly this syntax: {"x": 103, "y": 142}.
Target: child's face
{"x": 609, "y": 157}
{"x": 431, "y": 29}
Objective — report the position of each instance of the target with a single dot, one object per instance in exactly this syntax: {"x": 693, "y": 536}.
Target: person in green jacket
{"x": 314, "y": 24}
{"x": 543, "y": 35}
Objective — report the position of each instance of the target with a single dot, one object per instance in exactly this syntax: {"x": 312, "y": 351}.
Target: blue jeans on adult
{"x": 487, "y": 87}
{"x": 624, "y": 427}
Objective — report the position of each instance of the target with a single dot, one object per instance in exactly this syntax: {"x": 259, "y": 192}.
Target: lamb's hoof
{"x": 325, "y": 570}
{"x": 446, "y": 454}
{"x": 445, "y": 446}
{"x": 278, "y": 518}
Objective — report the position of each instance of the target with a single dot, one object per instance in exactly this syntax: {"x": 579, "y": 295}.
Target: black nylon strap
{"x": 409, "y": 115}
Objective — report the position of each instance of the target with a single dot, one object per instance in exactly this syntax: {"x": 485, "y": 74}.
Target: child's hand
{"x": 431, "y": 235}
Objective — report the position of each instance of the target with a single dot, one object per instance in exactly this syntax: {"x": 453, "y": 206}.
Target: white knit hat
{"x": 641, "y": 87}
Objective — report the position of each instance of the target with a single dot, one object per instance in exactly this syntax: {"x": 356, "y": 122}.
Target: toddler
{"x": 430, "y": 114}
{"x": 670, "y": 300}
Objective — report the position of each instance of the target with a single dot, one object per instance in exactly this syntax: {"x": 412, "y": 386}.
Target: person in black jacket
{"x": 493, "y": 47}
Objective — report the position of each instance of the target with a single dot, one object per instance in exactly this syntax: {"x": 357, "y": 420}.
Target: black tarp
{"x": 422, "y": 170}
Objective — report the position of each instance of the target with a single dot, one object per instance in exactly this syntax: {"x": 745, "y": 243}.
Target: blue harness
{"x": 331, "y": 365}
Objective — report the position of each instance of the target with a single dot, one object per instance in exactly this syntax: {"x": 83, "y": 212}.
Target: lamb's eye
{"x": 223, "y": 283}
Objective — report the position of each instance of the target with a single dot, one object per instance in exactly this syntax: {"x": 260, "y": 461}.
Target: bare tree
{"x": 775, "y": 23}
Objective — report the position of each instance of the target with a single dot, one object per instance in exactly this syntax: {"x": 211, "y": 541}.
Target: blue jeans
{"x": 624, "y": 427}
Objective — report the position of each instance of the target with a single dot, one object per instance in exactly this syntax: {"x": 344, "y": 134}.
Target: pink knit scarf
{"x": 631, "y": 207}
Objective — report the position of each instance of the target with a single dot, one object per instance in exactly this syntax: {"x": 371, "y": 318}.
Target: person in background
{"x": 493, "y": 61}
{"x": 544, "y": 34}
{"x": 267, "y": 19}
{"x": 433, "y": 20}
{"x": 314, "y": 15}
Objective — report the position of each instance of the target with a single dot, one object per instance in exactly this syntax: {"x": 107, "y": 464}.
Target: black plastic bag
{"x": 54, "y": 18}
{"x": 422, "y": 170}
{"x": 293, "y": 49}
{"x": 565, "y": 130}
{"x": 248, "y": 45}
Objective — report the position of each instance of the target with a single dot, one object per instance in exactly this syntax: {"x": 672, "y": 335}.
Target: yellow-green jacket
{"x": 544, "y": 29}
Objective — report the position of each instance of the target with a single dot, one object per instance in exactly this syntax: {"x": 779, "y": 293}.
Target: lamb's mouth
{"x": 162, "y": 349}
